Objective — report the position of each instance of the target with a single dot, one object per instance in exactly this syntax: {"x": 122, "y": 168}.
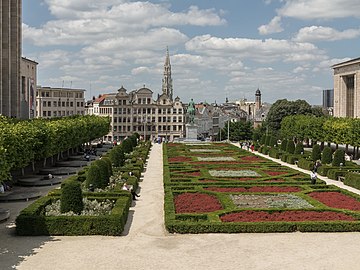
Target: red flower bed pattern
{"x": 192, "y": 173}
{"x": 254, "y": 189}
{"x": 298, "y": 215}
{"x": 179, "y": 159}
{"x": 274, "y": 180}
{"x": 251, "y": 159}
{"x": 336, "y": 200}
{"x": 196, "y": 203}
{"x": 274, "y": 173}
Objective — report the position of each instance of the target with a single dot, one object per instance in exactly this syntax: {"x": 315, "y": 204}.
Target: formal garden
{"x": 218, "y": 187}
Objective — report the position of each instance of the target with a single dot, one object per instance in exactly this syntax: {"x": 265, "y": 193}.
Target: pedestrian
{"x": 252, "y": 147}
{"x": 133, "y": 193}
{"x": 313, "y": 177}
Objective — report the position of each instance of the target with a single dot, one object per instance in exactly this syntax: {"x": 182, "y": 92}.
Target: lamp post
{"x": 228, "y": 130}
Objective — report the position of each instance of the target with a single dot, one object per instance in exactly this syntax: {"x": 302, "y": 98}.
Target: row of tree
{"x": 23, "y": 142}
{"x": 322, "y": 129}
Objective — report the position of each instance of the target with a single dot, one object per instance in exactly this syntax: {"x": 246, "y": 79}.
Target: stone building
{"x": 137, "y": 111}
{"x": 59, "y": 102}
{"x": 28, "y": 75}
{"x": 347, "y": 89}
{"x": 10, "y": 56}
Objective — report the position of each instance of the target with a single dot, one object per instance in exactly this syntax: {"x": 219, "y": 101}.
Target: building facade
{"x": 347, "y": 89}
{"x": 328, "y": 101}
{"x": 28, "y": 80}
{"x": 59, "y": 102}
{"x": 137, "y": 111}
{"x": 10, "y": 56}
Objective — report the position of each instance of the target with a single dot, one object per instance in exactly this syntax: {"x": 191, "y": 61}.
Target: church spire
{"x": 167, "y": 80}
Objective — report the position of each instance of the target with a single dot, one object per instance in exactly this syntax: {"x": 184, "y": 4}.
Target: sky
{"x": 218, "y": 49}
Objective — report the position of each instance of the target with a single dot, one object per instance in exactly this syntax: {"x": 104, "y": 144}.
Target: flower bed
{"x": 286, "y": 201}
{"x": 205, "y": 150}
{"x": 336, "y": 200}
{"x": 216, "y": 159}
{"x": 254, "y": 189}
{"x": 275, "y": 173}
{"x": 295, "y": 215}
{"x": 232, "y": 173}
{"x": 196, "y": 203}
{"x": 179, "y": 159}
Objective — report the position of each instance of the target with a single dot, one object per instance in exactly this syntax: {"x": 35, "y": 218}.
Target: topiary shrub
{"x": 108, "y": 162}
{"x": 339, "y": 157}
{"x": 263, "y": 139}
{"x": 127, "y": 145}
{"x": 117, "y": 156}
{"x": 93, "y": 177}
{"x": 284, "y": 144}
{"x": 71, "y": 197}
{"x": 290, "y": 147}
{"x": 273, "y": 141}
{"x": 104, "y": 172}
{"x": 316, "y": 152}
{"x": 326, "y": 157}
{"x": 267, "y": 140}
{"x": 299, "y": 148}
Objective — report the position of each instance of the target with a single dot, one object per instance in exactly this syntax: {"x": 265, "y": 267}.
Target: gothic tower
{"x": 167, "y": 86}
{"x": 257, "y": 99}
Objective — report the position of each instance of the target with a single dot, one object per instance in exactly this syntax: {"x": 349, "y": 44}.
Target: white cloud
{"x": 274, "y": 26}
{"x": 321, "y": 33}
{"x": 320, "y": 9}
{"x": 267, "y": 50}
{"x": 140, "y": 70}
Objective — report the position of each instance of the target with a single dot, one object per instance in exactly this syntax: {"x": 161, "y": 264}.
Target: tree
{"x": 339, "y": 157}
{"x": 71, "y": 197}
{"x": 326, "y": 157}
{"x": 282, "y": 108}
{"x": 283, "y": 144}
{"x": 238, "y": 131}
{"x": 290, "y": 147}
{"x": 299, "y": 148}
{"x": 316, "y": 152}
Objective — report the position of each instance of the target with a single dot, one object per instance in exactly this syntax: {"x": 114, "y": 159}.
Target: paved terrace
{"x": 146, "y": 245}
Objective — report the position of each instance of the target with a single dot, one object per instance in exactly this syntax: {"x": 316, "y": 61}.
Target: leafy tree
{"x": 273, "y": 141}
{"x": 326, "y": 157}
{"x": 263, "y": 139}
{"x": 282, "y": 108}
{"x": 316, "y": 152}
{"x": 104, "y": 172}
{"x": 93, "y": 177}
{"x": 117, "y": 156}
{"x": 284, "y": 144}
{"x": 238, "y": 131}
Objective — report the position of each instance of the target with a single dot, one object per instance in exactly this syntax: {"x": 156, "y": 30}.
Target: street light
{"x": 228, "y": 130}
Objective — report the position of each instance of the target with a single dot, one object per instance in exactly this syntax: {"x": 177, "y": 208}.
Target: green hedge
{"x": 305, "y": 164}
{"x": 352, "y": 179}
{"x": 275, "y": 153}
{"x": 32, "y": 221}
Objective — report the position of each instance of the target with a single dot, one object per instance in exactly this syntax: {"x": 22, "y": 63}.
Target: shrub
{"x": 274, "y": 153}
{"x": 117, "y": 156}
{"x": 335, "y": 173}
{"x": 263, "y": 139}
{"x": 316, "y": 152}
{"x": 291, "y": 159}
{"x": 267, "y": 140}
{"x": 104, "y": 172}
{"x": 339, "y": 157}
{"x": 71, "y": 197}
{"x": 326, "y": 157}
{"x": 284, "y": 144}
{"x": 93, "y": 177}
{"x": 352, "y": 179}
{"x": 273, "y": 141}
{"x": 108, "y": 162}
{"x": 127, "y": 145}
{"x": 305, "y": 164}
{"x": 290, "y": 147}
{"x": 299, "y": 148}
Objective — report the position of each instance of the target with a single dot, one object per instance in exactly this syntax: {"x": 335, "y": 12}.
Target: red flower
{"x": 196, "y": 203}
{"x": 254, "y": 189}
{"x": 274, "y": 173}
{"x": 179, "y": 159}
{"x": 336, "y": 200}
{"x": 297, "y": 215}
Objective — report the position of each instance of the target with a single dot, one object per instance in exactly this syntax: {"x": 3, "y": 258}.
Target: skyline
{"x": 283, "y": 47}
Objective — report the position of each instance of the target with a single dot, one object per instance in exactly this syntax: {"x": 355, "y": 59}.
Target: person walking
{"x": 313, "y": 177}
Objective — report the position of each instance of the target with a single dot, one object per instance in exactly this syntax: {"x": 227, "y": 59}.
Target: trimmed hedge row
{"x": 32, "y": 221}
{"x": 352, "y": 179}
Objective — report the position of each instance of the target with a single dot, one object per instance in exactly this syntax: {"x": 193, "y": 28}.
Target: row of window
{"x": 148, "y": 128}
{"x": 152, "y": 119}
{"x": 61, "y": 104}
{"x": 59, "y": 94}
{"x": 58, "y": 113}
{"x": 139, "y": 111}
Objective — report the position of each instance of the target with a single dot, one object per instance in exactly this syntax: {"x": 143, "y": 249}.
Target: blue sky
{"x": 218, "y": 49}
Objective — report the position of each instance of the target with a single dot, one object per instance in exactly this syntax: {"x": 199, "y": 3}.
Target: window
{"x": 71, "y": 104}
{"x": 49, "y": 113}
{"x": 159, "y": 119}
{"x": 63, "y": 103}
{"x": 168, "y": 111}
{"x": 49, "y": 104}
{"x": 148, "y": 101}
{"x": 54, "y": 103}
{"x": 44, "y": 113}
{"x": 67, "y": 103}
{"x": 43, "y": 94}
{"x": 180, "y": 111}
{"x": 44, "y": 103}
{"x": 55, "y": 114}
{"x": 139, "y": 100}
{"x": 174, "y": 119}
{"x": 47, "y": 94}
{"x": 82, "y": 104}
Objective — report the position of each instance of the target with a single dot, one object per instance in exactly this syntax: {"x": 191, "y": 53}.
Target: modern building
{"x": 10, "y": 56}
{"x": 28, "y": 75}
{"x": 347, "y": 89}
{"x": 137, "y": 111}
{"x": 328, "y": 101}
{"x": 59, "y": 102}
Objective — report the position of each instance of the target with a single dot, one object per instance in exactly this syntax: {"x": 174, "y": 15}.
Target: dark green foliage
{"x": 326, "y": 157}
{"x": 267, "y": 140}
{"x": 352, "y": 179}
{"x": 93, "y": 177}
{"x": 71, "y": 197}
{"x": 117, "y": 156}
{"x": 339, "y": 157}
{"x": 127, "y": 145}
{"x": 305, "y": 164}
{"x": 133, "y": 140}
{"x": 299, "y": 148}
{"x": 108, "y": 162}
{"x": 104, "y": 172}
{"x": 284, "y": 144}
{"x": 238, "y": 131}
{"x": 335, "y": 173}
{"x": 263, "y": 139}
{"x": 290, "y": 147}
{"x": 316, "y": 153}
{"x": 273, "y": 141}
{"x": 274, "y": 153}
